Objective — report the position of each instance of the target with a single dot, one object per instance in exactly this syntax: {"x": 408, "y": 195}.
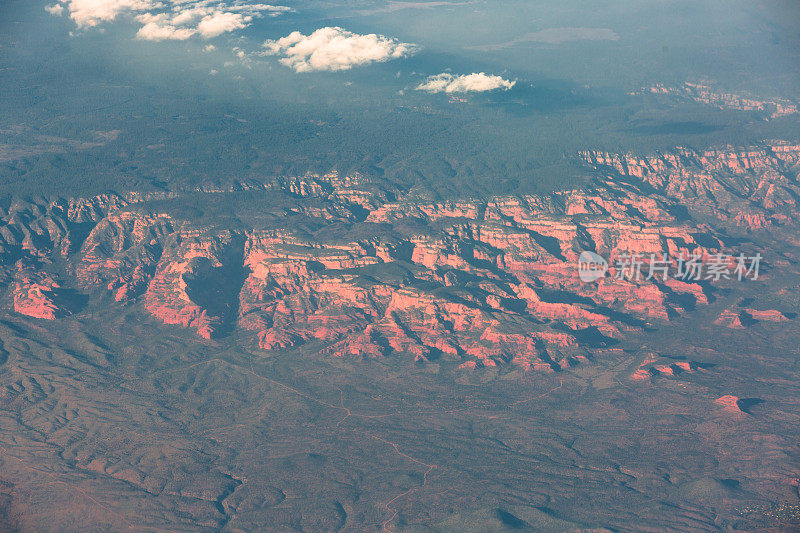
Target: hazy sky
{"x": 436, "y": 91}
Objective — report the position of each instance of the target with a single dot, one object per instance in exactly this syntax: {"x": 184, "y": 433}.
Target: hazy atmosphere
{"x": 205, "y": 108}
{"x": 399, "y": 265}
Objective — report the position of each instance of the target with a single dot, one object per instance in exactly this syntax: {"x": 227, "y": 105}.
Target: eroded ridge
{"x": 359, "y": 268}
{"x": 702, "y": 93}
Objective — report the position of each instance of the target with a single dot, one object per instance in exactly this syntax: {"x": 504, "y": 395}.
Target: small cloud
{"x": 334, "y": 48}
{"x": 221, "y": 22}
{"x": 160, "y": 28}
{"x": 55, "y": 9}
{"x": 156, "y": 32}
{"x": 209, "y": 48}
{"x": 189, "y": 15}
{"x": 270, "y": 10}
{"x": 475, "y": 82}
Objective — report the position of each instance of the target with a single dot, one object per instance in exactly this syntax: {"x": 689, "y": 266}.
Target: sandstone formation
{"x": 729, "y": 403}
{"x": 704, "y": 94}
{"x": 369, "y": 270}
{"x": 752, "y": 187}
{"x": 35, "y": 294}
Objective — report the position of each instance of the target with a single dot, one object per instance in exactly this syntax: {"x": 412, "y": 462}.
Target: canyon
{"x": 359, "y": 269}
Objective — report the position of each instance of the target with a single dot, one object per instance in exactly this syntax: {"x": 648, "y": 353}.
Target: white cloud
{"x": 475, "y": 82}
{"x": 94, "y": 12}
{"x": 333, "y": 48}
{"x": 160, "y": 28}
{"x": 272, "y": 11}
{"x": 169, "y": 19}
{"x": 55, "y": 9}
{"x": 221, "y": 22}
{"x": 189, "y": 15}
{"x": 153, "y": 31}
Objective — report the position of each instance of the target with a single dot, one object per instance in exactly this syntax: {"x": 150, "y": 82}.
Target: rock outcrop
{"x": 705, "y": 94}
{"x": 365, "y": 270}
{"x": 36, "y": 294}
{"x": 121, "y": 252}
{"x": 752, "y": 187}
{"x": 194, "y": 280}
{"x": 729, "y": 403}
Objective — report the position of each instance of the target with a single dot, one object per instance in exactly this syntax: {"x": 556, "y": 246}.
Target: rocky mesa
{"x": 356, "y": 268}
